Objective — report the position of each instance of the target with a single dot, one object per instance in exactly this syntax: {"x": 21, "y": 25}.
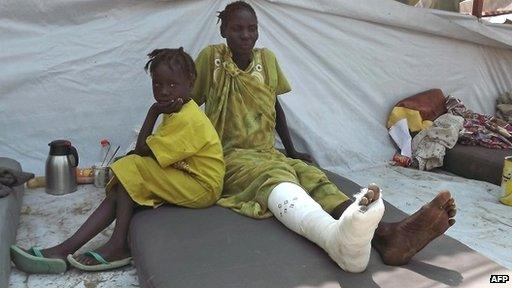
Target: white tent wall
{"x": 73, "y": 69}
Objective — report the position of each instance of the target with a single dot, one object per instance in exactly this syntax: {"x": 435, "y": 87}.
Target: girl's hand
{"x": 302, "y": 156}
{"x": 167, "y": 107}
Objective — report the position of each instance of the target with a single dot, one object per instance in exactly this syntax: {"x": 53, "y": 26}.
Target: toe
{"x": 452, "y": 212}
{"x": 376, "y": 190}
{"x": 87, "y": 260}
{"x": 451, "y": 222}
{"x": 369, "y": 195}
{"x": 79, "y": 259}
{"x": 82, "y": 259}
{"x": 442, "y": 199}
{"x": 364, "y": 201}
{"x": 450, "y": 202}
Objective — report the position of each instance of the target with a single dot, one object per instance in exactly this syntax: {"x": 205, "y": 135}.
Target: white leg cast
{"x": 347, "y": 240}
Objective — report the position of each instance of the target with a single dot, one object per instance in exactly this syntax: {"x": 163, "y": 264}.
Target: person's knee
{"x": 112, "y": 193}
{"x": 123, "y": 195}
{"x": 209, "y": 200}
{"x": 205, "y": 201}
{"x": 285, "y": 189}
{"x": 118, "y": 191}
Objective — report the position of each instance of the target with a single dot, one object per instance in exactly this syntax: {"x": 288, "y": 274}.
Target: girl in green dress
{"x": 239, "y": 85}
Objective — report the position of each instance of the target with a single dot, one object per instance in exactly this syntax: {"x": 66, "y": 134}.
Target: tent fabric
{"x": 449, "y": 5}
{"x": 73, "y": 69}
{"x": 489, "y": 6}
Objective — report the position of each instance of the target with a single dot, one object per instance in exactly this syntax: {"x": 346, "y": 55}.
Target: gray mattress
{"x": 215, "y": 247}
{"x": 476, "y": 162}
{"x": 9, "y": 217}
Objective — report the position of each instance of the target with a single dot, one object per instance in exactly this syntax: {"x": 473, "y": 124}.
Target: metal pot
{"x": 61, "y": 168}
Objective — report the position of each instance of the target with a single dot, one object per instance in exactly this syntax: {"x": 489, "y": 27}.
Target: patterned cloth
{"x": 479, "y": 129}
{"x": 429, "y": 145}
{"x": 241, "y": 106}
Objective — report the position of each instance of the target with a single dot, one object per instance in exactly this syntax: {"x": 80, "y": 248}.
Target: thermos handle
{"x": 75, "y": 155}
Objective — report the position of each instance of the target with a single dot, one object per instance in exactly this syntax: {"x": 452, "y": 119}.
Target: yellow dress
{"x": 189, "y": 169}
{"x": 241, "y": 106}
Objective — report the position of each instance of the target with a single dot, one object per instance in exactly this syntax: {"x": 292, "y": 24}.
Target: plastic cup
{"x": 101, "y": 176}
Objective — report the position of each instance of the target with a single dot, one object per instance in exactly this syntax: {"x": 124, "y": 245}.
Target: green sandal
{"x": 104, "y": 264}
{"x": 32, "y": 261}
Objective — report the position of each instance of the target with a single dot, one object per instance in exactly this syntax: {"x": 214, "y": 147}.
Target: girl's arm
{"x": 141, "y": 148}
{"x": 282, "y": 131}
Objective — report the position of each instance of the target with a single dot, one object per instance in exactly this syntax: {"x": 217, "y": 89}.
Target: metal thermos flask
{"x": 60, "y": 170}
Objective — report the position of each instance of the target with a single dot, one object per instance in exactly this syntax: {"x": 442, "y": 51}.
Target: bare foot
{"x": 54, "y": 252}
{"x": 108, "y": 251}
{"x": 398, "y": 242}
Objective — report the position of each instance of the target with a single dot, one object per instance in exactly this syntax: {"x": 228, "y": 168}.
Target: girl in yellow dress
{"x": 239, "y": 85}
{"x": 181, "y": 163}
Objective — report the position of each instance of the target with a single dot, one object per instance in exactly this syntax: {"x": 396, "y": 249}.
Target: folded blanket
{"x": 10, "y": 178}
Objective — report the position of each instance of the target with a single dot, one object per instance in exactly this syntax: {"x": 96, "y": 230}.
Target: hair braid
{"x": 223, "y": 16}
{"x": 174, "y": 59}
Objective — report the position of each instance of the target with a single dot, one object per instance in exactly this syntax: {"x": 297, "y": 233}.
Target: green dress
{"x": 241, "y": 106}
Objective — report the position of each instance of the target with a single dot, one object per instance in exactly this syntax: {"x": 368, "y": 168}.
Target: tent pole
{"x": 477, "y": 8}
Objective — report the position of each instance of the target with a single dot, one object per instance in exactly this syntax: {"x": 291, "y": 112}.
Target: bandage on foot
{"x": 398, "y": 242}
{"x": 346, "y": 240}
{"x": 351, "y": 246}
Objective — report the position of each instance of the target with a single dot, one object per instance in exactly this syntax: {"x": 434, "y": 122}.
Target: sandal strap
{"x": 97, "y": 256}
{"x": 36, "y": 251}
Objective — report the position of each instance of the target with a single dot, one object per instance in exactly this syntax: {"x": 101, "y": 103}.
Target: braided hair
{"x": 223, "y": 16}
{"x": 174, "y": 59}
